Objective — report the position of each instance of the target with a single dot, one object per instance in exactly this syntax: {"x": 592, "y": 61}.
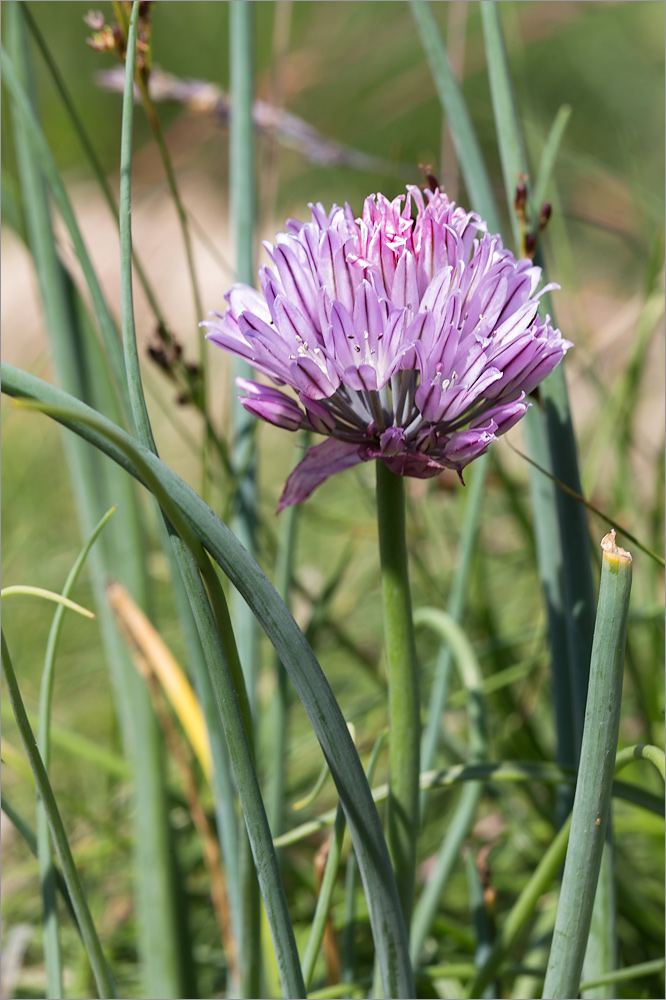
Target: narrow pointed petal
{"x": 320, "y": 462}
{"x": 405, "y": 292}
{"x": 297, "y": 280}
{"x": 319, "y": 416}
{"x": 464, "y": 446}
{"x": 505, "y": 415}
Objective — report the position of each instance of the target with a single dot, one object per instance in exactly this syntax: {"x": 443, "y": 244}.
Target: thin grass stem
{"x": 199, "y": 613}
{"x": 30, "y": 838}
{"x": 453, "y": 104}
{"x": 243, "y": 455}
{"x": 284, "y": 568}
{"x": 321, "y": 914}
{"x": 498, "y": 771}
{"x": 52, "y": 955}
{"x": 89, "y": 151}
{"x": 347, "y": 958}
{"x": 103, "y": 978}
{"x": 449, "y": 852}
{"x": 624, "y": 975}
{"x": 455, "y": 608}
{"x": 29, "y": 122}
{"x": 521, "y": 911}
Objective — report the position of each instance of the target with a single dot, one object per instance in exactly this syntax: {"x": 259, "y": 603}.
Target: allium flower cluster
{"x": 409, "y": 335}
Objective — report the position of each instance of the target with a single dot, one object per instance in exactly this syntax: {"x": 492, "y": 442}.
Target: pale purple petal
{"x": 315, "y": 381}
{"x": 279, "y": 414}
{"x": 297, "y": 279}
{"x": 405, "y": 292}
{"x": 414, "y": 464}
{"x": 504, "y": 416}
{"x": 320, "y": 417}
{"x": 320, "y": 462}
{"x": 464, "y": 446}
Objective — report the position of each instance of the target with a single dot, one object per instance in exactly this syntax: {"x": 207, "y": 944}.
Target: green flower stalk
{"x": 403, "y": 685}
{"x": 410, "y": 336}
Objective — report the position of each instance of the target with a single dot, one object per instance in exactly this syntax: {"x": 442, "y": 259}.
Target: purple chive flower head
{"x": 409, "y": 335}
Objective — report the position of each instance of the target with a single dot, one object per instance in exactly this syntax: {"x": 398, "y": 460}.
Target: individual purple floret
{"x": 410, "y": 340}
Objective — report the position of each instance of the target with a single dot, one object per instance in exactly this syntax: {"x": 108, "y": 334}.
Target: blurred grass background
{"x": 355, "y": 71}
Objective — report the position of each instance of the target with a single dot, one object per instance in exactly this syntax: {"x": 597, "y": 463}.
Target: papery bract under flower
{"x": 412, "y": 340}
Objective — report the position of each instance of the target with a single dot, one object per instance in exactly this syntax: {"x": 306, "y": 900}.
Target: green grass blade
{"x": 460, "y": 124}
{"x": 595, "y": 775}
{"x": 509, "y": 137}
{"x": 26, "y": 116}
{"x": 496, "y": 771}
{"x": 222, "y": 781}
{"x": 459, "y": 826}
{"x": 177, "y": 552}
{"x": 551, "y": 575}
{"x": 242, "y": 200}
{"x": 602, "y": 950}
{"x": 576, "y": 592}
{"x": 456, "y": 606}
{"x": 50, "y": 921}
{"x": 241, "y": 153}
{"x": 470, "y": 676}
{"x": 103, "y": 978}
{"x": 30, "y": 838}
{"x": 279, "y": 716}
{"x": 52, "y": 956}
{"x": 130, "y": 352}
{"x": 481, "y": 920}
{"x": 47, "y": 595}
{"x": 573, "y": 530}
{"x": 88, "y": 150}
{"x": 641, "y": 752}
{"x": 625, "y": 975}
{"x": 294, "y": 651}
{"x": 121, "y": 553}
{"x": 549, "y": 156}
{"x": 318, "y": 925}
{"x": 12, "y": 210}
{"x": 572, "y": 592}
{"x": 154, "y": 122}
{"x": 522, "y": 910}
{"x": 347, "y": 957}
{"x": 240, "y": 753}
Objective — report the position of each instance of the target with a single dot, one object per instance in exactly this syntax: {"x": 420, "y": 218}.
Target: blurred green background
{"x": 356, "y": 73}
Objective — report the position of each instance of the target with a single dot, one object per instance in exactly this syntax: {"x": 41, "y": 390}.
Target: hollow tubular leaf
{"x": 595, "y": 776}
